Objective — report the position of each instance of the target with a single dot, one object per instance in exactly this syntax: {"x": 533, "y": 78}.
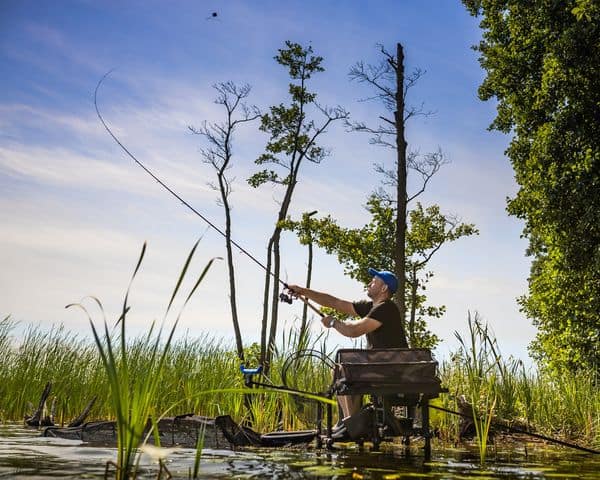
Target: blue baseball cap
{"x": 388, "y": 278}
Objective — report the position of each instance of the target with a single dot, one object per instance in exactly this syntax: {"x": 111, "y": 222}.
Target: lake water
{"x": 24, "y": 455}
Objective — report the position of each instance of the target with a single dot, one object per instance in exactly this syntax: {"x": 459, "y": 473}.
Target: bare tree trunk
{"x": 401, "y": 186}
{"x": 265, "y": 318}
{"x": 414, "y": 286}
{"x": 232, "y": 294}
{"x": 308, "y": 281}
{"x": 283, "y": 211}
{"x": 218, "y": 154}
{"x": 275, "y": 295}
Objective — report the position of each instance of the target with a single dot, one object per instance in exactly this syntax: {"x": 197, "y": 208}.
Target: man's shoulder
{"x": 387, "y": 308}
{"x": 362, "y": 307}
{"x": 389, "y": 303}
{"x": 363, "y": 302}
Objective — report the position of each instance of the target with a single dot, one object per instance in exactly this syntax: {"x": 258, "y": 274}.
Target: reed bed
{"x": 565, "y": 406}
{"x": 562, "y": 406}
{"x": 191, "y": 367}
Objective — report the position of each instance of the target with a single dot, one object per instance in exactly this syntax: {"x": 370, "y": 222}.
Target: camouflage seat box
{"x": 386, "y": 371}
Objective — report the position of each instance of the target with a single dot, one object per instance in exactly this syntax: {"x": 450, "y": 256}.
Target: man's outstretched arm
{"x": 324, "y": 299}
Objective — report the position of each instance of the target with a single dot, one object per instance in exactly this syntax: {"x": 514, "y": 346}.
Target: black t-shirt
{"x": 391, "y": 333}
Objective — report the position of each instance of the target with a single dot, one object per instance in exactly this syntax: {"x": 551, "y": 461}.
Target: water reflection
{"x": 23, "y": 455}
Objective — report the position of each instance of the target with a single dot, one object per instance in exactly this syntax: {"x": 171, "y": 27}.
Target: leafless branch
{"x": 420, "y": 111}
{"x": 379, "y": 140}
{"x": 450, "y": 220}
{"x": 412, "y": 79}
{"x": 332, "y": 114}
{"x": 382, "y": 77}
{"x": 379, "y": 134}
{"x": 218, "y": 135}
{"x": 390, "y": 178}
{"x": 427, "y": 166}
{"x": 391, "y": 122}
{"x": 385, "y": 197}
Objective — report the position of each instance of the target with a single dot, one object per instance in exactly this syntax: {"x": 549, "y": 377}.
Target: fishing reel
{"x": 287, "y": 296}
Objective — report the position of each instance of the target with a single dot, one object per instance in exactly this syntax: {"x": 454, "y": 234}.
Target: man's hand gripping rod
{"x": 289, "y": 298}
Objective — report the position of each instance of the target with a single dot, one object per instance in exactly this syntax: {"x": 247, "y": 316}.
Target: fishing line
{"x": 283, "y": 296}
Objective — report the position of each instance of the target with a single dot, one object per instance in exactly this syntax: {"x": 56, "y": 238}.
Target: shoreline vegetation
{"x": 566, "y": 407}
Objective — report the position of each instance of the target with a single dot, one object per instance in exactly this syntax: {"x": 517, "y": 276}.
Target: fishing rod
{"x": 520, "y": 430}
{"x": 284, "y": 297}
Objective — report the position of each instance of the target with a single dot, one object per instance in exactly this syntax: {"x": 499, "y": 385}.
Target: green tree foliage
{"x": 357, "y": 249}
{"x": 292, "y": 141}
{"x": 428, "y": 230}
{"x": 542, "y": 61}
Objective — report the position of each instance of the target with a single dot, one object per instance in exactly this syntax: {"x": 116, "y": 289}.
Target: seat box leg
{"x": 425, "y": 427}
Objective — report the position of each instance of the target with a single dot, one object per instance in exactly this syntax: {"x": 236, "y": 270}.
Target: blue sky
{"x": 75, "y": 210}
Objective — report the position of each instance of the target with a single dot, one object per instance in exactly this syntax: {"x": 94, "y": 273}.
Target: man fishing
{"x": 379, "y": 320}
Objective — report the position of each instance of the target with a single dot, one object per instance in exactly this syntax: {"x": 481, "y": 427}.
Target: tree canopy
{"x": 542, "y": 61}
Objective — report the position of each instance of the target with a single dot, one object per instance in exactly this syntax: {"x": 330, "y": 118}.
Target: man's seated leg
{"x": 350, "y": 404}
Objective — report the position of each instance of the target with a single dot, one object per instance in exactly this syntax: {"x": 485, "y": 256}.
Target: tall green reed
{"x": 481, "y": 380}
{"x": 198, "y": 454}
{"x": 133, "y": 392}
{"x": 302, "y": 362}
{"x": 452, "y": 377}
{"x": 568, "y": 405}
{"x": 42, "y": 356}
{"x": 6, "y": 326}
{"x": 565, "y": 406}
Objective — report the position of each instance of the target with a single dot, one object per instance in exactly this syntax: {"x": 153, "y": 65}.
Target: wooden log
{"x": 183, "y": 431}
{"x": 38, "y": 418}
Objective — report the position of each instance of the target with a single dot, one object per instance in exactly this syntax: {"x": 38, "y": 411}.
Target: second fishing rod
{"x": 284, "y": 297}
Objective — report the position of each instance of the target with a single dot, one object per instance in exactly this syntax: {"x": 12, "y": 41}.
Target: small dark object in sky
{"x": 213, "y": 15}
